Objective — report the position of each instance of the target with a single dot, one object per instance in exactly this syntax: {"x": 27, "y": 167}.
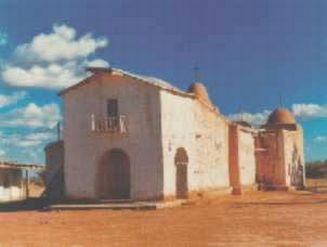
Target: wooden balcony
{"x": 114, "y": 125}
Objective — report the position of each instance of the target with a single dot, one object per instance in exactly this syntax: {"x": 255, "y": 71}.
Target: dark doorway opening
{"x": 181, "y": 164}
{"x": 114, "y": 175}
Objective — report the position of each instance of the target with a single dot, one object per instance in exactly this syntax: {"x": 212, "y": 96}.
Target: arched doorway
{"x": 181, "y": 164}
{"x": 114, "y": 175}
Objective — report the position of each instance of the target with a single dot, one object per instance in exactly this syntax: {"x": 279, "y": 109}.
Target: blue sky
{"x": 249, "y": 53}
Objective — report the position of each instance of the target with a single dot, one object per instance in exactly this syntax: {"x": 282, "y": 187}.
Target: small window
{"x": 112, "y": 107}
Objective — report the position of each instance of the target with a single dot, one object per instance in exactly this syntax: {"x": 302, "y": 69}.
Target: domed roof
{"x": 281, "y": 116}
{"x": 200, "y": 91}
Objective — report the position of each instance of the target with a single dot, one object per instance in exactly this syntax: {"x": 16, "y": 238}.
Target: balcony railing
{"x": 109, "y": 124}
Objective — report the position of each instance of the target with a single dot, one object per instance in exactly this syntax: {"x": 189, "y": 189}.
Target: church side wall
{"x": 234, "y": 170}
{"x": 84, "y": 148}
{"x": 246, "y": 155}
{"x": 177, "y": 123}
{"x": 242, "y": 159}
{"x": 188, "y": 124}
{"x": 269, "y": 158}
{"x": 212, "y": 149}
{"x": 294, "y": 158}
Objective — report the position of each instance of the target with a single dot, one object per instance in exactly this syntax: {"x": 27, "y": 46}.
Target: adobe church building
{"x": 128, "y": 136}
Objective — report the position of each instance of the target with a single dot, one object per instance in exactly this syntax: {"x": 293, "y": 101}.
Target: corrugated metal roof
{"x": 13, "y": 165}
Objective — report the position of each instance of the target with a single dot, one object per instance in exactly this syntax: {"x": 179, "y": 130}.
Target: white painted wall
{"x": 293, "y": 152}
{"x": 177, "y": 123}
{"x": 14, "y": 190}
{"x": 83, "y": 149}
{"x": 187, "y": 123}
{"x": 13, "y": 193}
{"x": 159, "y": 122}
{"x": 212, "y": 149}
{"x": 247, "y": 163}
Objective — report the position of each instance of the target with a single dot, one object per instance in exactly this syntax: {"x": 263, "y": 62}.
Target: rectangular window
{"x": 112, "y": 108}
{"x": 112, "y": 122}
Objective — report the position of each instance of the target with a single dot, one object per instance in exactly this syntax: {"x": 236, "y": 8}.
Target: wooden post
{"x": 27, "y": 179}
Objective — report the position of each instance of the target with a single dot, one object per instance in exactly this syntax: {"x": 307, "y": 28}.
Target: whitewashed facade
{"x": 136, "y": 137}
{"x": 157, "y": 120}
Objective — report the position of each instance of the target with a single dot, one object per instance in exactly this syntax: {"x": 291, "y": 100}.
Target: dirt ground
{"x": 256, "y": 219}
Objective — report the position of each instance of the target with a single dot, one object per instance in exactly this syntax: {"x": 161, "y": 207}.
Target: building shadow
{"x": 30, "y": 204}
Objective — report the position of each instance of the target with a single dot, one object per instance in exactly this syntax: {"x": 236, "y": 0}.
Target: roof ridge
{"x": 151, "y": 80}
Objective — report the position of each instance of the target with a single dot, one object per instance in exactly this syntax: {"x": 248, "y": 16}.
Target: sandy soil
{"x": 257, "y": 219}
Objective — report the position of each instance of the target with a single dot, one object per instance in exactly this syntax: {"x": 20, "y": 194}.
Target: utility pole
{"x": 27, "y": 181}
{"x": 58, "y": 131}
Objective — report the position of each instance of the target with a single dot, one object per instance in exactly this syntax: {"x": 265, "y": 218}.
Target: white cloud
{"x": 32, "y": 116}
{"x": 254, "y": 119}
{"x": 34, "y": 155}
{"x": 27, "y": 140}
{"x": 25, "y": 146}
{"x": 53, "y": 76}
{"x": 3, "y": 38}
{"x": 56, "y": 60}
{"x": 59, "y": 45}
{"x": 98, "y": 63}
{"x": 6, "y": 100}
{"x": 309, "y": 110}
{"x": 302, "y": 110}
{"x": 321, "y": 139}
{"x": 2, "y": 153}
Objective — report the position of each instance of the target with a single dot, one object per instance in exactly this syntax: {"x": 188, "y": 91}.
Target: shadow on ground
{"x": 26, "y": 205}
{"x": 42, "y": 204}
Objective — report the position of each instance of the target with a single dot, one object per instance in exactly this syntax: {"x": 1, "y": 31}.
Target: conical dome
{"x": 200, "y": 91}
{"x": 281, "y": 116}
